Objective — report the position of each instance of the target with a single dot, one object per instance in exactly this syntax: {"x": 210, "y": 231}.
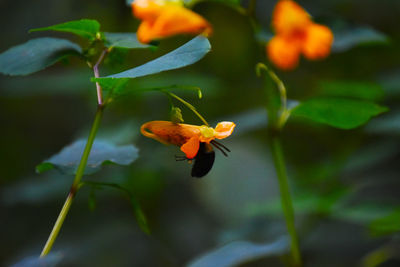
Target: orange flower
{"x": 163, "y": 18}
{"x": 296, "y": 34}
{"x": 186, "y": 136}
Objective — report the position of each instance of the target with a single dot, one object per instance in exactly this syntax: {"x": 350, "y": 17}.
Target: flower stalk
{"x": 75, "y": 185}
{"x": 82, "y": 164}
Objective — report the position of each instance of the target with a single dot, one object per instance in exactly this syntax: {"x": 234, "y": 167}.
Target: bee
{"x": 204, "y": 159}
{"x": 195, "y": 141}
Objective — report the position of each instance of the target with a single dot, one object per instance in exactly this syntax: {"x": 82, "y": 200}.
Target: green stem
{"x": 76, "y": 184}
{"x": 286, "y": 199}
{"x": 188, "y": 105}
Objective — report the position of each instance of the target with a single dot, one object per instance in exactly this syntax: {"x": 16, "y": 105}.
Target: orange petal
{"x": 284, "y": 52}
{"x": 179, "y": 20}
{"x": 144, "y": 32}
{"x": 191, "y": 147}
{"x": 147, "y": 9}
{"x": 224, "y": 129}
{"x": 289, "y": 17}
{"x": 318, "y": 42}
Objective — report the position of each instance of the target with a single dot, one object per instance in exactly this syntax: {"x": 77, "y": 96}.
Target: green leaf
{"x": 137, "y": 210}
{"x": 115, "y": 86}
{"x": 87, "y": 28}
{"x": 385, "y": 225}
{"x": 139, "y": 215}
{"x": 183, "y": 56}
{"x": 338, "y": 112}
{"x": 354, "y": 89}
{"x": 123, "y": 40}
{"x": 239, "y": 252}
{"x": 67, "y": 160}
{"x": 352, "y": 37}
{"x": 36, "y": 55}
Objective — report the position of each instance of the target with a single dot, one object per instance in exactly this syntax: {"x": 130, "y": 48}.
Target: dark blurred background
{"x": 345, "y": 183}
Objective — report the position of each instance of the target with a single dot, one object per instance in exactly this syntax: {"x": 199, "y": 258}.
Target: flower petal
{"x": 147, "y": 9}
{"x": 191, "y": 147}
{"x": 289, "y": 17}
{"x": 284, "y": 52}
{"x": 224, "y": 129}
{"x": 177, "y": 20}
{"x": 318, "y": 42}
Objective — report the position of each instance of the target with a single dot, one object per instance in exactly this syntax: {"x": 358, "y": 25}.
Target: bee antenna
{"x": 221, "y": 145}
{"x": 217, "y": 146}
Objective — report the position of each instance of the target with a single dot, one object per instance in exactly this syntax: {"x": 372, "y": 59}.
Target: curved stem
{"x": 286, "y": 199}
{"x": 191, "y": 107}
{"x": 75, "y": 185}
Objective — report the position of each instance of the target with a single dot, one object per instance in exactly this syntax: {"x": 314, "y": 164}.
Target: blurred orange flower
{"x": 296, "y": 34}
{"x": 186, "y": 136}
{"x": 164, "y": 18}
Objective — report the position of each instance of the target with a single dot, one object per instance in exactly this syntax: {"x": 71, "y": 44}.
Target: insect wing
{"x": 203, "y": 161}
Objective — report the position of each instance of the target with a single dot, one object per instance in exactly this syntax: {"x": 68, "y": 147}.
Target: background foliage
{"x": 345, "y": 183}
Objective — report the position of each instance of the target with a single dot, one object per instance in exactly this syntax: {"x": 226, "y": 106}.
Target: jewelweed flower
{"x": 164, "y": 18}
{"x": 188, "y": 137}
{"x": 295, "y": 34}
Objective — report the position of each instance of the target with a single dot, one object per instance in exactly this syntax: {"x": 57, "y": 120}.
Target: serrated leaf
{"x": 183, "y": 56}
{"x": 87, "y": 28}
{"x": 239, "y": 252}
{"x": 338, "y": 112}
{"x": 123, "y": 40}
{"x": 352, "y": 37}
{"x": 354, "y": 89}
{"x": 36, "y": 55}
{"x": 67, "y": 160}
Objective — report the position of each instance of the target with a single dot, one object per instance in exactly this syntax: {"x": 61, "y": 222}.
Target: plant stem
{"x": 286, "y": 199}
{"x": 188, "y": 105}
{"x": 97, "y": 75}
{"x": 76, "y": 184}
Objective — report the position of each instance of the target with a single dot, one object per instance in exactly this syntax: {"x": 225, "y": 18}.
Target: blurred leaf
{"x": 87, "y": 28}
{"x": 185, "y": 55}
{"x": 137, "y": 210}
{"x": 69, "y": 82}
{"x": 338, "y": 112}
{"x": 362, "y": 213}
{"x": 352, "y": 37}
{"x": 139, "y": 215}
{"x": 385, "y": 225}
{"x": 67, "y": 160}
{"x": 303, "y": 203}
{"x": 34, "y": 191}
{"x": 390, "y": 81}
{"x": 36, "y": 55}
{"x": 353, "y": 89}
{"x": 240, "y": 252}
{"x": 92, "y": 203}
{"x": 388, "y": 124}
{"x": 123, "y": 40}
{"x": 51, "y": 260}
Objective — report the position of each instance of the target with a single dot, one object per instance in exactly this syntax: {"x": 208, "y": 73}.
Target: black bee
{"x": 204, "y": 159}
